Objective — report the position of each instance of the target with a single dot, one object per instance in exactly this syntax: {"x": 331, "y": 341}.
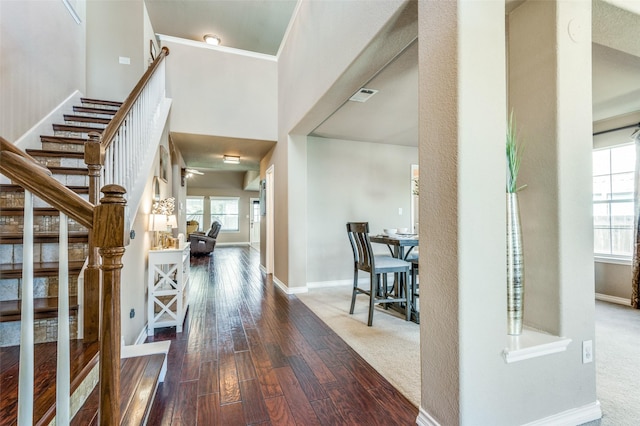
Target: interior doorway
{"x": 254, "y": 223}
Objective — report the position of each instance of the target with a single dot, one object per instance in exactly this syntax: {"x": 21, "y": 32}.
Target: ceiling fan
{"x": 194, "y": 172}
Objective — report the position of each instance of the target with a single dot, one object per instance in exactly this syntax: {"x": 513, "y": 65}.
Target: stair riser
{"x": 61, "y": 162}
{"x": 10, "y": 289}
{"x": 69, "y": 134}
{"x": 66, "y": 147}
{"x": 86, "y": 124}
{"x": 42, "y": 252}
{"x": 47, "y": 223}
{"x": 72, "y": 180}
{"x": 16, "y": 199}
{"x": 45, "y": 330}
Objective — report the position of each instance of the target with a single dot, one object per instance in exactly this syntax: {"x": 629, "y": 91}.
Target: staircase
{"x": 63, "y": 154}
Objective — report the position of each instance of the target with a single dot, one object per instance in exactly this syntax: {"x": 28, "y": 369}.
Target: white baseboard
{"x": 325, "y": 284}
{"x": 572, "y": 417}
{"x": 289, "y": 290}
{"x": 425, "y": 419}
{"x": 142, "y": 336}
{"x": 613, "y": 299}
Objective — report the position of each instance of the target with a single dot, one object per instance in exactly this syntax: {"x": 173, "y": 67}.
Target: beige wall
{"x": 42, "y": 57}
{"x": 350, "y": 181}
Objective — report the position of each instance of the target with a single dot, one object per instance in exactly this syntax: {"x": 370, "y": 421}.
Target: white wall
{"x": 42, "y": 52}
{"x": 221, "y": 91}
{"x": 350, "y": 181}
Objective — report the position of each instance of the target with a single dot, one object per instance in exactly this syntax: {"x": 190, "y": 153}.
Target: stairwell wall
{"x": 34, "y": 76}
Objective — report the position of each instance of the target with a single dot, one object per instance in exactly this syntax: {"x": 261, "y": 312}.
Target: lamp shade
{"x": 171, "y": 221}
{"x": 158, "y": 222}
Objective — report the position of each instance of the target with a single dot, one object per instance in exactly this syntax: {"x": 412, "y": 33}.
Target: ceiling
{"x": 390, "y": 116}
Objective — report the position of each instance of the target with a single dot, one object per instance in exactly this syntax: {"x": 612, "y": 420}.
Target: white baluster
{"x": 25, "y": 378}
{"x": 63, "y": 376}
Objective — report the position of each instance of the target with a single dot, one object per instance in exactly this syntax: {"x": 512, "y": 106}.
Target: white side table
{"x": 168, "y": 287}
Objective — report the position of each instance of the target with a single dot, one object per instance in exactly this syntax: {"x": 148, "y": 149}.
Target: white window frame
{"x": 212, "y": 214}
{"x": 610, "y": 257}
{"x": 188, "y": 216}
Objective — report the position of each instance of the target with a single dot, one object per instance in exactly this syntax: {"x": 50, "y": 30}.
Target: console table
{"x": 168, "y": 287}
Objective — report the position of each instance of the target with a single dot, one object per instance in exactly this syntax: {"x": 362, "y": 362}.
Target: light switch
{"x": 124, "y": 60}
{"x": 400, "y": 211}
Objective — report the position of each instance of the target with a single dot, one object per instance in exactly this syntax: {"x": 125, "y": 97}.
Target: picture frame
{"x": 164, "y": 164}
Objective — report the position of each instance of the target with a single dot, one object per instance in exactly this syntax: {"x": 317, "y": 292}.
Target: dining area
{"x": 393, "y": 278}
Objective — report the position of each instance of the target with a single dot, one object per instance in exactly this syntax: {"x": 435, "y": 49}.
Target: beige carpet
{"x": 391, "y": 345}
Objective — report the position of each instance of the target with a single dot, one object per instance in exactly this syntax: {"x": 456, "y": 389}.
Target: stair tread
{"x": 86, "y": 119}
{"x": 40, "y": 269}
{"x": 63, "y": 139}
{"x": 68, "y": 170}
{"x": 51, "y": 153}
{"x": 138, "y": 382}
{"x": 101, "y": 102}
{"x": 91, "y": 110}
{"x": 12, "y": 308}
{"x": 78, "y": 189}
{"x": 44, "y": 237}
{"x": 84, "y": 356}
{"x": 76, "y": 128}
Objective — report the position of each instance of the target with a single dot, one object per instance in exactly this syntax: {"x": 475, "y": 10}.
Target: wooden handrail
{"x": 5, "y": 145}
{"x": 22, "y": 170}
{"x": 112, "y": 128}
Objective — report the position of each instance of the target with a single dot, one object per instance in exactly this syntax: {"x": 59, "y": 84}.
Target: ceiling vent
{"x": 363, "y": 95}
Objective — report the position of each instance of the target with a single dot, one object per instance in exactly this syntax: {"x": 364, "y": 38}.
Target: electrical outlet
{"x": 132, "y": 313}
{"x": 587, "y": 351}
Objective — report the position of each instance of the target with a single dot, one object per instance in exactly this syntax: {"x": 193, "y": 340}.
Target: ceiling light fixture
{"x": 211, "y": 39}
{"x": 231, "y": 159}
{"x": 363, "y": 95}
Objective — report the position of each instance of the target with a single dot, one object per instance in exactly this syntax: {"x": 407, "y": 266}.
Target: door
{"x": 254, "y": 221}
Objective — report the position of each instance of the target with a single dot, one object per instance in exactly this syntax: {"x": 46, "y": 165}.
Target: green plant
{"x": 514, "y": 156}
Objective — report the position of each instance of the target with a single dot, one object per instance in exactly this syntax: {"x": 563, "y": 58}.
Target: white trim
{"x": 613, "y": 260}
{"x": 325, "y": 284}
{"x": 532, "y": 344}
{"x": 72, "y": 11}
{"x": 203, "y": 45}
{"x": 289, "y": 290}
{"x": 142, "y": 336}
{"x": 425, "y": 419}
{"x": 574, "y": 416}
{"x": 294, "y": 15}
{"x": 613, "y": 299}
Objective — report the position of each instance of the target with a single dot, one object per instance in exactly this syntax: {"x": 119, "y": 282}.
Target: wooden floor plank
{"x": 250, "y": 354}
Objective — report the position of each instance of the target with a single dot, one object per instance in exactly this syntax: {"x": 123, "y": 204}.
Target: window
{"x": 613, "y": 206}
{"x": 226, "y": 211}
{"x": 195, "y": 210}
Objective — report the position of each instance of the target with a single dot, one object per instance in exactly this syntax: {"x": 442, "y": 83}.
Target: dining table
{"x": 400, "y": 246}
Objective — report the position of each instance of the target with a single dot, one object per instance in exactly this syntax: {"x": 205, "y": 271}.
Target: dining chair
{"x": 376, "y": 266}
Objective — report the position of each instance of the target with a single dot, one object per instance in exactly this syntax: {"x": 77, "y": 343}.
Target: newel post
{"x": 94, "y": 155}
{"x": 110, "y": 233}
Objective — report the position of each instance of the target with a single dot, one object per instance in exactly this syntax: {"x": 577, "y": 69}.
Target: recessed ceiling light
{"x": 231, "y": 159}
{"x": 212, "y": 39}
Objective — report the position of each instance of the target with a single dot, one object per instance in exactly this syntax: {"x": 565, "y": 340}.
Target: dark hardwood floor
{"x": 251, "y": 355}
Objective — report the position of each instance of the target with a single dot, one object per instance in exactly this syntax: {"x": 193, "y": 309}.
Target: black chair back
{"x": 361, "y": 246}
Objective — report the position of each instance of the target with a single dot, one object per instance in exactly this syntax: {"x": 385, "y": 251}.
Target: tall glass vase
{"x": 515, "y": 267}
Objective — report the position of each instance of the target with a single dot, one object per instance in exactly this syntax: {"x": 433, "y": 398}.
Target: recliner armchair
{"x": 204, "y": 244}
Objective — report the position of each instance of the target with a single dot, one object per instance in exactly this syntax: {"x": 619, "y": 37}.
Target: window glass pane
{"x": 601, "y": 162}
{"x": 621, "y": 241}
{"x": 622, "y": 215}
{"x": 623, "y": 159}
{"x": 225, "y": 211}
{"x": 602, "y": 241}
{"x": 195, "y": 209}
{"x": 601, "y": 215}
{"x": 622, "y": 186}
{"x": 601, "y": 188}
